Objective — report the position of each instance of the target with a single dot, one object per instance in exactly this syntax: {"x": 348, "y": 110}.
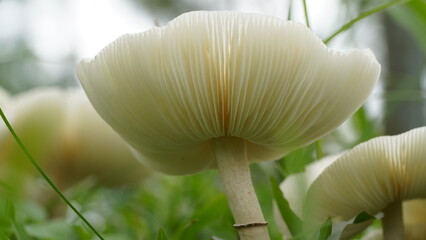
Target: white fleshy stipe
{"x": 169, "y": 91}
{"x": 369, "y": 177}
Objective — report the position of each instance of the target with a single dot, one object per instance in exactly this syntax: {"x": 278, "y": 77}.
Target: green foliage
{"x": 293, "y": 222}
{"x": 362, "y": 217}
{"x": 364, "y": 15}
{"x": 296, "y": 161}
{"x": 325, "y": 230}
{"x": 161, "y": 235}
{"x": 412, "y": 16}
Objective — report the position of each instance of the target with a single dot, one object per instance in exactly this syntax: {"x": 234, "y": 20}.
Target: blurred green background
{"x": 42, "y": 41}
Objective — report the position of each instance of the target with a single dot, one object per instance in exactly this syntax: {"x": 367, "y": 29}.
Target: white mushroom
{"x": 295, "y": 188}
{"x": 374, "y": 176}
{"x": 69, "y": 139}
{"x": 221, "y": 90}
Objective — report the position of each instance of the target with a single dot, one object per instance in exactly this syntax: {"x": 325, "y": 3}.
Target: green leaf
{"x": 3, "y": 236}
{"x": 7, "y": 210}
{"x": 294, "y": 223}
{"x": 161, "y": 235}
{"x": 203, "y": 217}
{"x": 325, "y": 230}
{"x": 362, "y": 217}
{"x": 17, "y": 226}
{"x": 19, "y": 231}
{"x": 412, "y": 16}
{"x": 338, "y": 228}
{"x": 296, "y": 161}
{"x": 51, "y": 230}
{"x": 319, "y": 149}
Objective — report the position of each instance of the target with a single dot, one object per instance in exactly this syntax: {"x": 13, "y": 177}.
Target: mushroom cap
{"x": 369, "y": 177}
{"x": 68, "y": 138}
{"x": 296, "y": 185}
{"x": 295, "y": 188}
{"x": 37, "y": 117}
{"x": 170, "y": 91}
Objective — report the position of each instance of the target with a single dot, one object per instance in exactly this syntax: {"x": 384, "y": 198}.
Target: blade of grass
{"x": 290, "y": 7}
{"x": 318, "y": 149}
{"x": 362, "y": 16}
{"x": 30, "y": 157}
{"x": 161, "y": 235}
{"x": 293, "y": 222}
{"x": 3, "y": 236}
{"x": 305, "y": 9}
{"x": 325, "y": 230}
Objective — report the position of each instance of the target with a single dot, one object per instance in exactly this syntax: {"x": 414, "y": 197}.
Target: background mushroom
{"x": 375, "y": 176}
{"x": 71, "y": 142}
{"x": 295, "y": 188}
{"x": 414, "y": 212}
{"x": 221, "y": 90}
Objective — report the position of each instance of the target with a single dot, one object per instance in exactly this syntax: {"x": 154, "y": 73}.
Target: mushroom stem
{"x": 231, "y": 159}
{"x": 393, "y": 225}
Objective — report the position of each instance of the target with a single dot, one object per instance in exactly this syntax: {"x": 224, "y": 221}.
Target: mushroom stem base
{"x": 235, "y": 175}
{"x": 393, "y": 225}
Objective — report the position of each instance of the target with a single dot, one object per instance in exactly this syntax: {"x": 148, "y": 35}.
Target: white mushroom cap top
{"x": 170, "y": 91}
{"x": 370, "y": 177}
{"x": 68, "y": 138}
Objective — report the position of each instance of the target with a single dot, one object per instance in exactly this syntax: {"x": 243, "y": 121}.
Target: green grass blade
{"x": 362, "y": 16}
{"x": 326, "y": 229}
{"x": 305, "y": 9}
{"x": 27, "y": 153}
{"x": 362, "y": 217}
{"x": 294, "y": 223}
{"x": 3, "y": 236}
{"x": 319, "y": 149}
{"x": 161, "y": 235}
{"x": 202, "y": 218}
{"x": 290, "y": 7}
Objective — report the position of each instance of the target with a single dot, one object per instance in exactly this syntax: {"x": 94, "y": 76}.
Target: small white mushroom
{"x": 295, "y": 188}
{"x": 375, "y": 176}
{"x": 224, "y": 89}
{"x": 68, "y": 138}
{"x": 296, "y": 185}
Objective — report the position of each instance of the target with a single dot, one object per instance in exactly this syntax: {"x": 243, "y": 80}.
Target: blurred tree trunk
{"x": 403, "y": 99}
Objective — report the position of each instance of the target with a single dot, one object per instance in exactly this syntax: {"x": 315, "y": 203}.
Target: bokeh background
{"x": 41, "y": 41}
